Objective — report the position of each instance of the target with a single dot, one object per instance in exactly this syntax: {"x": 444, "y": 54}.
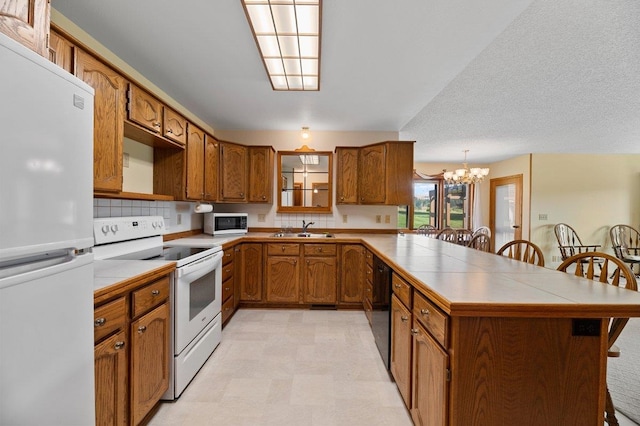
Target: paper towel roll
{"x": 203, "y": 208}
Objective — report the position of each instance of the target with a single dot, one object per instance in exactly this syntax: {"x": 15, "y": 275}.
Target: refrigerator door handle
{"x": 19, "y": 274}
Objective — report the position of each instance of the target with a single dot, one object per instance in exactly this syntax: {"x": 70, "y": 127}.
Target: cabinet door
{"x": 347, "y": 176}
{"x": 352, "y": 275}
{"x": 111, "y": 370}
{"x": 233, "y": 172}
{"x": 283, "y": 279}
{"x": 320, "y": 280}
{"x": 430, "y": 390}
{"x": 195, "y": 163}
{"x": 108, "y": 120}
{"x": 61, "y": 51}
{"x": 174, "y": 126}
{"x": 27, "y": 22}
{"x": 401, "y": 348}
{"x": 261, "y": 176}
{"x": 144, "y": 109}
{"x": 251, "y": 272}
{"x": 210, "y": 168}
{"x": 149, "y": 361}
{"x": 372, "y": 180}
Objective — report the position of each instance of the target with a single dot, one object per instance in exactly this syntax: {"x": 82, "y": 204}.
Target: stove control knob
{"x": 114, "y": 228}
{"x": 105, "y": 229}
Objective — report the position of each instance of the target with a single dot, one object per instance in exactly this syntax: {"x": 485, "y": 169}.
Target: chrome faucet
{"x": 306, "y": 225}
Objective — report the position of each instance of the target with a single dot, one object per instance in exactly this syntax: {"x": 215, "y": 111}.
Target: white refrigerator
{"x": 46, "y": 267}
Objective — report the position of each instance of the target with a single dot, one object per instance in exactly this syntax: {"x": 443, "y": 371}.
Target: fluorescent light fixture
{"x": 287, "y": 33}
{"x": 309, "y": 159}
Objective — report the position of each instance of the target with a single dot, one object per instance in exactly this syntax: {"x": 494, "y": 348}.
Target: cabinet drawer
{"x": 368, "y": 256}
{"x": 227, "y": 271}
{"x": 149, "y": 296}
{"x": 320, "y": 249}
{"x": 227, "y": 289}
{"x": 286, "y": 249}
{"x": 228, "y": 255}
{"x": 109, "y": 317}
{"x": 227, "y": 309}
{"x": 402, "y": 290}
{"x": 434, "y": 320}
{"x": 368, "y": 310}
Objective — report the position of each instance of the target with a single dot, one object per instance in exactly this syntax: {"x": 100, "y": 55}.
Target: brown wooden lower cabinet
{"x": 401, "y": 344}
{"x": 111, "y": 366}
{"x": 149, "y": 361}
{"x": 250, "y": 267}
{"x": 131, "y": 352}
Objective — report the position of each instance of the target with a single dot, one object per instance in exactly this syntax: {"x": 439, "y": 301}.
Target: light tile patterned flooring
{"x": 291, "y": 367}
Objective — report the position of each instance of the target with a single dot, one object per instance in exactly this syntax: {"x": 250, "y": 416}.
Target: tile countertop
{"x": 108, "y": 273}
{"x": 466, "y": 282}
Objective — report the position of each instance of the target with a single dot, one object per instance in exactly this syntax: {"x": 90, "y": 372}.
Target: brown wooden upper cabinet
{"x": 27, "y": 22}
{"x": 347, "y": 176}
{"x": 260, "y": 174}
{"x": 375, "y": 174}
{"x": 174, "y": 126}
{"x": 233, "y": 172}
{"x": 195, "y": 163}
{"x": 109, "y": 105}
{"x": 144, "y": 109}
{"x": 61, "y": 51}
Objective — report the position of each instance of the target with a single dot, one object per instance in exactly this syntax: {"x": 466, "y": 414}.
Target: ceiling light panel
{"x": 287, "y": 33}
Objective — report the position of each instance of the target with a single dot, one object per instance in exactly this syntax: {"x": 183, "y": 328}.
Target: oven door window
{"x": 202, "y": 292}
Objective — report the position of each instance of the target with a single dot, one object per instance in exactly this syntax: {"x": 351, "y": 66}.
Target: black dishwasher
{"x": 381, "y": 313}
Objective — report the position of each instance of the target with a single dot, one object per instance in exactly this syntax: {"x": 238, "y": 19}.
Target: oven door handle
{"x": 201, "y": 267}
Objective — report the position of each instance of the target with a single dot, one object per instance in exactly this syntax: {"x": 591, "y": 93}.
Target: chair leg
{"x": 610, "y": 411}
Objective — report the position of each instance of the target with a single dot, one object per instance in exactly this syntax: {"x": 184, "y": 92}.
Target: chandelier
{"x": 466, "y": 175}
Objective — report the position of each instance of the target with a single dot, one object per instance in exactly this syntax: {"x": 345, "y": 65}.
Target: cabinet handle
{"x": 404, "y": 319}
{"x": 156, "y": 124}
{"x": 368, "y": 289}
{"x": 264, "y": 197}
{"x": 228, "y": 254}
{"x": 227, "y": 270}
{"x": 424, "y": 312}
{"x": 319, "y": 249}
{"x": 99, "y": 322}
{"x": 227, "y": 289}
{"x": 414, "y": 331}
{"x": 119, "y": 345}
{"x": 282, "y": 248}
{"x": 397, "y": 285}
{"x": 308, "y": 262}
{"x": 341, "y": 198}
{"x": 155, "y": 292}
{"x": 169, "y": 131}
{"x": 295, "y": 262}
{"x": 242, "y": 194}
{"x": 142, "y": 329}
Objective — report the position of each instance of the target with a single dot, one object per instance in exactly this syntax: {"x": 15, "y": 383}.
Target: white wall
{"x": 587, "y": 191}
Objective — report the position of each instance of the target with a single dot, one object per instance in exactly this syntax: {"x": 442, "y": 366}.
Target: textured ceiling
{"x": 498, "y": 77}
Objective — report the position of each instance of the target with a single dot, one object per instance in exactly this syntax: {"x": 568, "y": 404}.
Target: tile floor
{"x": 290, "y": 367}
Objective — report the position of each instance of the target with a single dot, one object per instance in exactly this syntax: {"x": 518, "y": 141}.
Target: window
{"x": 441, "y": 205}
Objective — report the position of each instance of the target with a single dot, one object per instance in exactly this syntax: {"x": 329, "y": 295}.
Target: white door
{"x": 506, "y": 210}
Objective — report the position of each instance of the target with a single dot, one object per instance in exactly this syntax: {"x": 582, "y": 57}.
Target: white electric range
{"x": 196, "y": 288}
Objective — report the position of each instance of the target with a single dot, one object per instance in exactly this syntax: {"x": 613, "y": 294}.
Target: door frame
{"x": 516, "y": 180}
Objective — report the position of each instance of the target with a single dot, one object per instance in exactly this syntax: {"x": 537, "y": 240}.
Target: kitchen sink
{"x": 302, "y": 235}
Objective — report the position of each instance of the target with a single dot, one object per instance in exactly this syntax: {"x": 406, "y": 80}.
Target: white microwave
{"x": 225, "y": 223}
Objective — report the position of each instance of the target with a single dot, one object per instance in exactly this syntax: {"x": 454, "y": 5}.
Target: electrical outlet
{"x": 179, "y": 219}
{"x": 387, "y": 218}
{"x": 378, "y": 218}
{"x": 543, "y": 216}
{"x": 125, "y": 160}
{"x": 344, "y": 218}
{"x": 262, "y": 218}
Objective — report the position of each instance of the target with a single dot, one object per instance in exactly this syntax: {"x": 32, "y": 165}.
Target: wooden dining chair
{"x": 614, "y": 272}
{"x": 524, "y": 251}
{"x": 569, "y": 242}
{"x": 480, "y": 242}
{"x": 448, "y": 234}
{"x": 464, "y": 236}
{"x": 482, "y": 230}
{"x": 428, "y": 230}
{"x": 625, "y": 241}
